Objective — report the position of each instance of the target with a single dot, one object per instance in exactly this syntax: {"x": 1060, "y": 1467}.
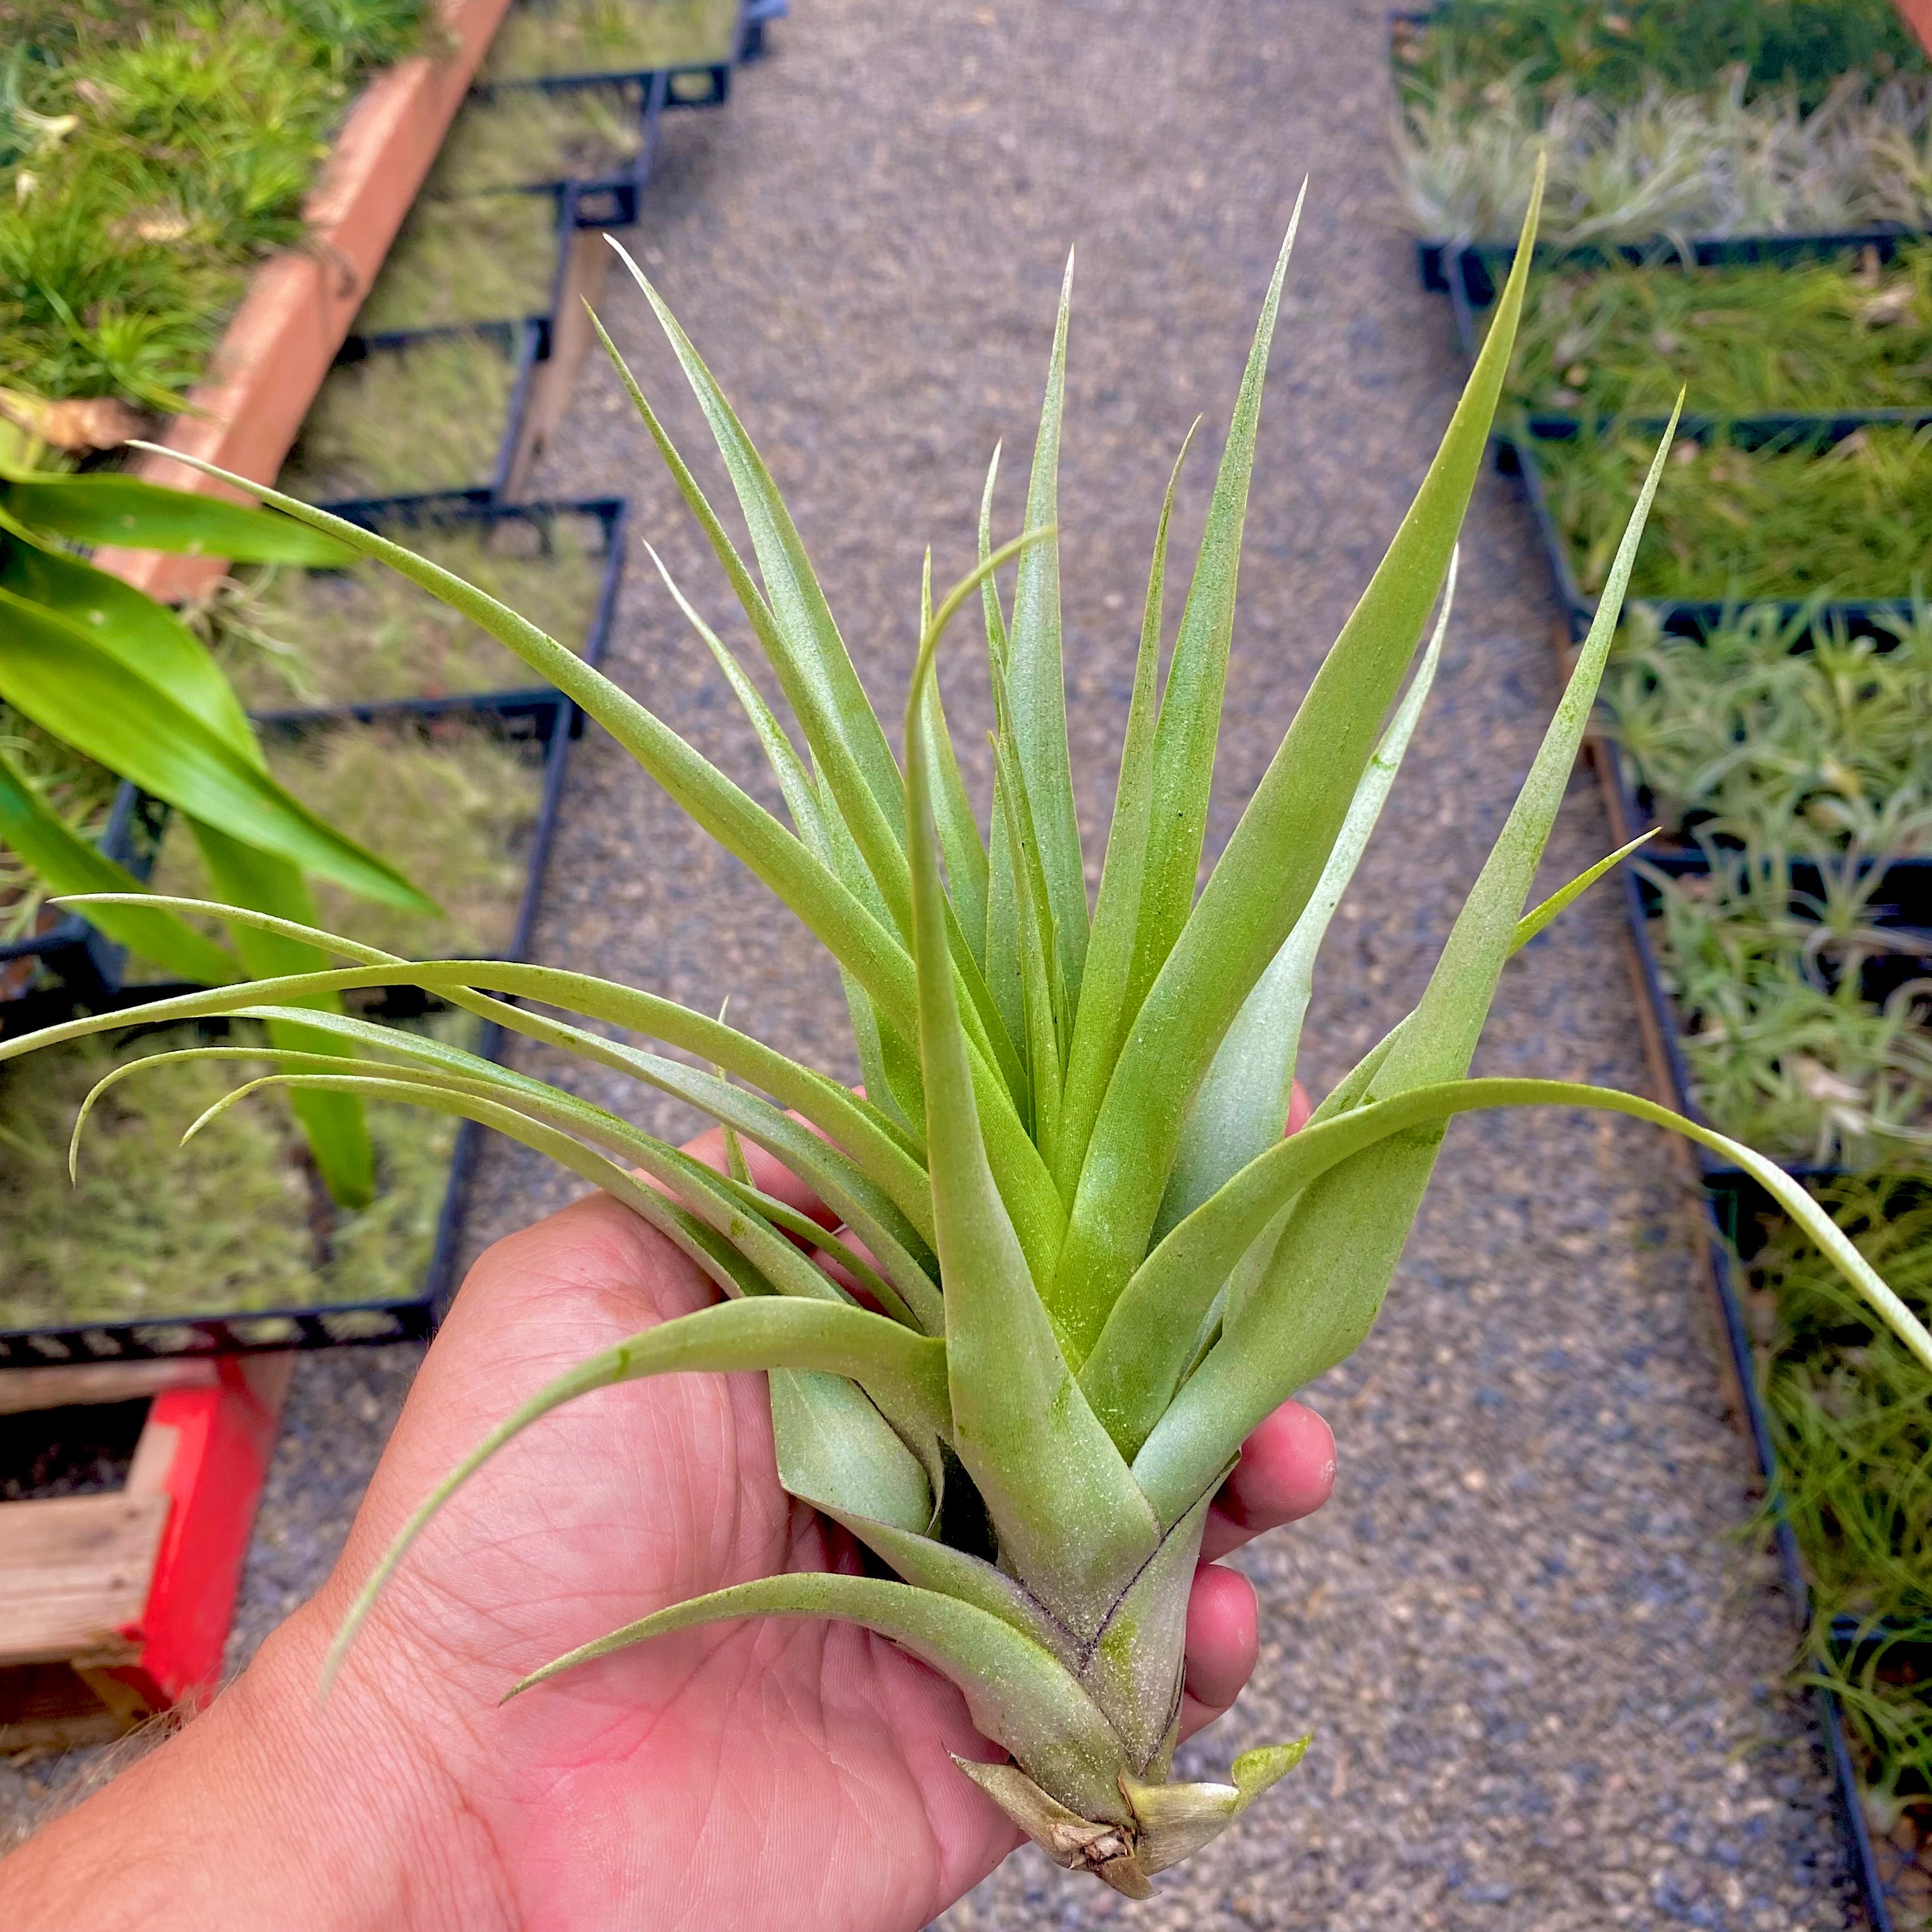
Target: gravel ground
{"x": 1541, "y": 1661}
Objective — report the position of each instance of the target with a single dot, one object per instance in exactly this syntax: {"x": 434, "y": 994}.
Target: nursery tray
{"x": 545, "y": 717}
{"x": 523, "y": 345}
{"x": 69, "y": 967}
{"x": 1516, "y": 449}
{"x": 400, "y": 516}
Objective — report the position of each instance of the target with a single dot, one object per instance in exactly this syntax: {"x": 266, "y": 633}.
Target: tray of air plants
{"x": 1843, "y": 1430}
{"x": 1722, "y": 119}
{"x": 419, "y": 412}
{"x": 1097, "y": 1261}
{"x": 308, "y": 1220}
{"x": 1782, "y": 910}
{"x": 493, "y": 256}
{"x": 1834, "y": 512}
{"x": 561, "y": 45}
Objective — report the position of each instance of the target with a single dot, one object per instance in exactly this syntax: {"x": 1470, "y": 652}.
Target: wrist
{"x": 272, "y": 1811}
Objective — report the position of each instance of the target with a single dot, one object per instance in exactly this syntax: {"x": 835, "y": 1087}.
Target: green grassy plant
{"x": 547, "y": 36}
{"x": 505, "y": 140}
{"x": 303, "y": 637}
{"x": 482, "y": 258}
{"x": 1095, "y": 1261}
{"x": 1785, "y": 735}
{"x": 429, "y": 416}
{"x": 1851, "y": 1420}
{"x": 148, "y": 155}
{"x": 1670, "y": 164}
{"x": 1614, "y": 51}
{"x": 1852, "y": 519}
{"x": 451, "y": 800}
{"x": 1831, "y": 337}
{"x": 152, "y": 1228}
{"x": 1783, "y": 1048}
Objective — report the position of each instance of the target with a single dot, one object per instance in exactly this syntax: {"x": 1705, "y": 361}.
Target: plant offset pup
{"x": 1093, "y": 1263}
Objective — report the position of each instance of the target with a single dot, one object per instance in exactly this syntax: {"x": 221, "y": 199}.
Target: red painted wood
{"x": 1918, "y": 17}
{"x": 225, "y": 1437}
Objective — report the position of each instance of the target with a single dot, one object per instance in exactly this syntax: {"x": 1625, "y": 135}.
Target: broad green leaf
{"x": 1189, "y": 726}
{"x": 65, "y": 862}
{"x": 146, "y": 637}
{"x": 61, "y": 675}
{"x": 137, "y": 515}
{"x": 337, "y": 1135}
{"x": 1072, "y": 1525}
{"x": 1176, "y": 1820}
{"x": 1036, "y": 681}
{"x": 1017, "y": 1694}
{"x": 766, "y": 1333}
{"x": 1101, "y": 1018}
{"x": 1242, "y": 1106}
{"x": 1300, "y": 1326}
{"x": 1272, "y": 862}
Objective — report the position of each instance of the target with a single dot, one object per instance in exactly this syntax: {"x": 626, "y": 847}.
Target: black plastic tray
{"x": 612, "y": 200}
{"x": 548, "y": 719}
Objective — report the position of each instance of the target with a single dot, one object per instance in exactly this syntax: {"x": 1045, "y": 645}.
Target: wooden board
{"x": 22, "y": 1390}
{"x": 74, "y": 1572}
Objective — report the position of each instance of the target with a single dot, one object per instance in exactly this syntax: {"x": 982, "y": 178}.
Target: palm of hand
{"x": 774, "y": 1773}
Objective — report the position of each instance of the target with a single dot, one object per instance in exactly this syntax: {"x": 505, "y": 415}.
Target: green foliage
{"x": 148, "y": 156}
{"x": 1613, "y": 51}
{"x": 1705, "y": 162}
{"x": 429, "y": 416}
{"x": 1830, "y": 337}
{"x": 290, "y": 637}
{"x": 547, "y": 36}
{"x": 236, "y": 1220}
{"x": 505, "y": 140}
{"x": 1853, "y": 517}
{"x": 1029, "y": 1430}
{"x": 1787, "y": 736}
{"x": 482, "y": 258}
{"x": 1851, "y": 1420}
{"x": 451, "y": 800}
{"x": 1783, "y": 1048}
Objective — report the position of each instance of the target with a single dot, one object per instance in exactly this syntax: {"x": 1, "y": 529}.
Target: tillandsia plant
{"x": 1085, "y": 1261}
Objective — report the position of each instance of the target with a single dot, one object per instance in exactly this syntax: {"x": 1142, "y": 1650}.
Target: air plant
{"x": 1087, "y": 1262}
{"x": 1674, "y": 165}
{"x": 1782, "y": 735}
{"x": 1783, "y": 1045}
{"x": 1789, "y": 519}
{"x": 1851, "y": 1419}
{"x": 1834, "y": 337}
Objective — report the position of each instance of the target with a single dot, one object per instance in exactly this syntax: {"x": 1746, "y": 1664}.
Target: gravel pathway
{"x": 1541, "y": 1662}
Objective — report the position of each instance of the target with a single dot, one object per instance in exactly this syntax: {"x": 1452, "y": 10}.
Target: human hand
{"x": 771, "y": 1773}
